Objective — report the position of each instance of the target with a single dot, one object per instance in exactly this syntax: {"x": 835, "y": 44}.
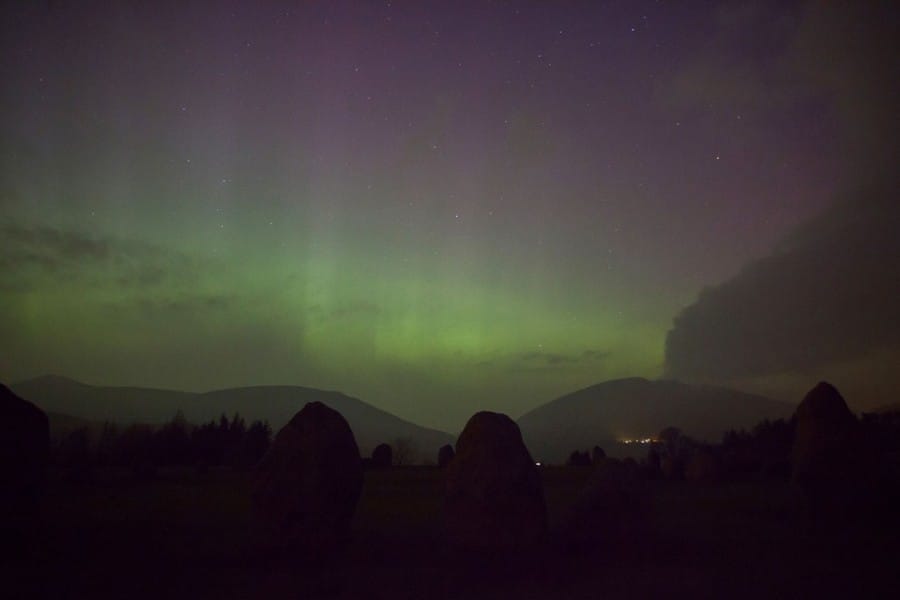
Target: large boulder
{"x": 382, "y": 456}
{"x": 825, "y": 438}
{"x": 494, "y": 496}
{"x": 24, "y": 453}
{"x": 831, "y": 462}
{"x": 445, "y": 455}
{"x": 309, "y": 482}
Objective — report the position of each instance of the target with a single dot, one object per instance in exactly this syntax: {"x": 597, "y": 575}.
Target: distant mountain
{"x": 275, "y": 404}
{"x": 121, "y": 404}
{"x": 638, "y": 408}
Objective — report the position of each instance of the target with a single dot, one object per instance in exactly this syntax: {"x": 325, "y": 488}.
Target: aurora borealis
{"x": 436, "y": 207}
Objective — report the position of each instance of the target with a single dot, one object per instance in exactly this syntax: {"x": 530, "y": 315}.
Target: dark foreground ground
{"x": 185, "y": 534}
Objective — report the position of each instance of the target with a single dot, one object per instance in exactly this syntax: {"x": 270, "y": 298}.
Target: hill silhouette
{"x": 638, "y": 408}
{"x": 275, "y": 404}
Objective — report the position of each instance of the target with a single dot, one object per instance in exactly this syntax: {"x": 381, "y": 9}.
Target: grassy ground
{"x": 185, "y": 534}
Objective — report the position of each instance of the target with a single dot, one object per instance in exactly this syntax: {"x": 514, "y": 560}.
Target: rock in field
{"x": 24, "y": 453}
{"x": 310, "y": 481}
{"x": 494, "y": 495}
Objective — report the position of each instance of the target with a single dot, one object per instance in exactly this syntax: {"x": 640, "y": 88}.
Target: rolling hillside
{"x": 275, "y": 404}
{"x": 637, "y": 408}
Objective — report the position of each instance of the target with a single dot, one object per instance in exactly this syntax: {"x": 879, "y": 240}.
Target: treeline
{"x": 226, "y": 442}
{"x": 763, "y": 452}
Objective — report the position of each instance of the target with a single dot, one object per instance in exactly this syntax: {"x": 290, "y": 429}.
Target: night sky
{"x": 447, "y": 207}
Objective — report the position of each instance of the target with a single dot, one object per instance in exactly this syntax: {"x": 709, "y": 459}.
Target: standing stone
{"x": 24, "y": 453}
{"x": 825, "y": 437}
{"x": 494, "y": 496}
{"x": 827, "y": 457}
{"x": 310, "y": 481}
{"x": 382, "y": 456}
{"x": 445, "y": 455}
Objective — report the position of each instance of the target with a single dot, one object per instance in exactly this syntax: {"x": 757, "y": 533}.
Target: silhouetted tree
{"x": 256, "y": 442}
{"x": 232, "y": 441}
{"x": 74, "y": 454}
{"x": 136, "y": 450}
{"x": 222, "y": 442}
{"x": 579, "y": 459}
{"x": 205, "y": 440}
{"x": 107, "y": 442}
{"x": 404, "y": 451}
{"x": 172, "y": 443}
{"x": 669, "y": 438}
{"x": 597, "y": 455}
{"x": 763, "y": 451}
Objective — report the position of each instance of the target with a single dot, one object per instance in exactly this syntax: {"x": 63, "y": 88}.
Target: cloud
{"x": 541, "y": 360}
{"x": 826, "y": 297}
{"x": 48, "y": 248}
{"x": 346, "y": 311}
{"x": 356, "y": 309}
{"x": 768, "y": 59}
{"x": 846, "y": 50}
{"x": 828, "y": 294}
{"x": 185, "y": 303}
{"x": 744, "y": 66}
{"x": 40, "y": 256}
{"x": 589, "y": 355}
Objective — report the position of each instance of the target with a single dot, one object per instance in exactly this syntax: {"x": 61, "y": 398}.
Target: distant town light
{"x": 537, "y": 464}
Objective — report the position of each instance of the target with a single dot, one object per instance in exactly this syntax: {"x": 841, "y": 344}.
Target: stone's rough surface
{"x": 24, "y": 453}
{"x": 310, "y": 481}
{"x": 825, "y": 437}
{"x": 445, "y": 455}
{"x": 494, "y": 496}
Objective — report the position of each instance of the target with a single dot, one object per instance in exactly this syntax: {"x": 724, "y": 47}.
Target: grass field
{"x": 187, "y": 534}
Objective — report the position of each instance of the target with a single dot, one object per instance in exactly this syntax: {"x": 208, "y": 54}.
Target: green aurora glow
{"x": 432, "y": 216}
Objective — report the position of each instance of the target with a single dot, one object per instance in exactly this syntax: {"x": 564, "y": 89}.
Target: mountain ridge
{"x": 609, "y": 412}
{"x": 273, "y": 403}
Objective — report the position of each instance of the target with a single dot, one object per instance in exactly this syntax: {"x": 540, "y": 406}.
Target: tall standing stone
{"x": 382, "y": 456}
{"x": 825, "y": 436}
{"x": 310, "y": 481}
{"x": 494, "y": 496}
{"x": 829, "y": 459}
{"x": 24, "y": 453}
{"x": 445, "y": 455}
